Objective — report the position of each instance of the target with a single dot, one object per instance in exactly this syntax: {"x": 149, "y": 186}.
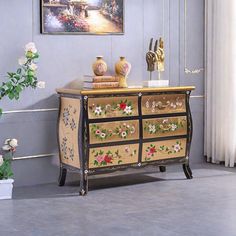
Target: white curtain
{"x": 220, "y": 85}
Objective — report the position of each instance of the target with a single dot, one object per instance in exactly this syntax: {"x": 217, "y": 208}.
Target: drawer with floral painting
{"x": 110, "y": 107}
{"x": 163, "y": 104}
{"x": 153, "y": 151}
{"x": 113, "y": 156}
{"x": 107, "y": 132}
{"x": 164, "y": 127}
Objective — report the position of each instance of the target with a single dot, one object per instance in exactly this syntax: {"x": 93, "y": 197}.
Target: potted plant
{"x": 6, "y": 174}
{"x": 24, "y": 77}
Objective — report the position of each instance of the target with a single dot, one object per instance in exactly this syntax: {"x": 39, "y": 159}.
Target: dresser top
{"x": 123, "y": 90}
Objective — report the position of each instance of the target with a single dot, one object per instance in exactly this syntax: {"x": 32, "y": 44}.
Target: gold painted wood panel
{"x": 113, "y": 131}
{"x": 161, "y": 150}
{"x": 112, "y": 107}
{"x": 163, "y": 104}
{"x": 113, "y": 156}
{"x": 68, "y": 131}
{"x": 164, "y": 127}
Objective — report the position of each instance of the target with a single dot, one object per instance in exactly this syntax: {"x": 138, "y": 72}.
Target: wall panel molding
{"x": 186, "y": 69}
{"x": 35, "y": 156}
{"x": 30, "y": 110}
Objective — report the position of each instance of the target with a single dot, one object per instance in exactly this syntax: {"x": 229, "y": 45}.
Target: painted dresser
{"x": 108, "y": 130}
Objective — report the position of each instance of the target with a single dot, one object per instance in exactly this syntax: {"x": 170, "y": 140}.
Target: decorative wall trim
{"x": 34, "y": 156}
{"x": 30, "y": 110}
{"x": 197, "y": 96}
{"x": 186, "y": 69}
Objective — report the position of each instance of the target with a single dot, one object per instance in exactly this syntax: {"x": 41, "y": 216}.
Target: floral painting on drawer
{"x": 68, "y": 131}
{"x": 164, "y": 150}
{"x": 113, "y": 156}
{"x": 114, "y": 131}
{"x": 82, "y": 16}
{"x": 163, "y": 104}
{"x": 164, "y": 127}
{"x": 112, "y": 107}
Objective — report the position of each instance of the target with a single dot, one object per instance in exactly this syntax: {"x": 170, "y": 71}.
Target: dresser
{"x": 112, "y": 129}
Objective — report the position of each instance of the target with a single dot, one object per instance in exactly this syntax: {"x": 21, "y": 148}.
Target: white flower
{"x": 132, "y": 130}
{"x": 30, "y": 47}
{"x": 108, "y": 107}
{"x": 165, "y": 121}
{"x": 22, "y": 61}
{"x": 1, "y": 160}
{"x": 10, "y": 144}
{"x": 152, "y": 128}
{"x": 98, "y": 110}
{"x": 177, "y": 148}
{"x": 173, "y": 127}
{"x": 41, "y": 84}
{"x": 103, "y": 135}
{"x": 123, "y": 134}
{"x": 33, "y": 66}
{"x": 128, "y": 110}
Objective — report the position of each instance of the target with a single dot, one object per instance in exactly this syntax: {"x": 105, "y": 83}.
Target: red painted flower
{"x": 107, "y": 159}
{"x": 98, "y": 131}
{"x": 122, "y": 106}
{"x": 152, "y": 150}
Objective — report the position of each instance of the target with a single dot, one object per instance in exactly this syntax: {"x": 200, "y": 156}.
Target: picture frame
{"x": 95, "y": 17}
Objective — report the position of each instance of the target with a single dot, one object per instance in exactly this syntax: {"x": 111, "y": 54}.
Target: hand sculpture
{"x": 160, "y": 55}
{"x": 151, "y": 58}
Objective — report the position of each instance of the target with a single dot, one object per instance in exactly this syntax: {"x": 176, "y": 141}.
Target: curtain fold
{"x": 220, "y": 82}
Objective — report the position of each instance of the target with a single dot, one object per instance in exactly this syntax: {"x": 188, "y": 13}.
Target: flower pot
{"x": 99, "y": 66}
{"x": 6, "y": 186}
{"x": 122, "y": 69}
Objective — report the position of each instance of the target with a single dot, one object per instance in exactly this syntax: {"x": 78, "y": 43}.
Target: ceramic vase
{"x": 99, "y": 66}
{"x": 122, "y": 69}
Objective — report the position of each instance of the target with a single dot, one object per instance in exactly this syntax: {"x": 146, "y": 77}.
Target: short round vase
{"x": 99, "y": 66}
{"x": 122, "y": 69}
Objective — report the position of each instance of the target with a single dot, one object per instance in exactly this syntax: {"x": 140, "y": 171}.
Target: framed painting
{"x": 82, "y": 16}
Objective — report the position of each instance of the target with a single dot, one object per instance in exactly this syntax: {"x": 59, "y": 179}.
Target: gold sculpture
{"x": 160, "y": 56}
{"x": 156, "y": 59}
{"x": 151, "y": 59}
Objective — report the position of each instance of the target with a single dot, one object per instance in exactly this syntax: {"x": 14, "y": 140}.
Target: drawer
{"x": 113, "y": 156}
{"x": 112, "y": 107}
{"x": 167, "y": 149}
{"x": 164, "y": 127}
{"x": 163, "y": 104}
{"x": 113, "y": 131}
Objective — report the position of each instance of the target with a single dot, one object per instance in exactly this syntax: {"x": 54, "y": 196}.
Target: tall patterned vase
{"x": 122, "y": 69}
{"x": 99, "y": 66}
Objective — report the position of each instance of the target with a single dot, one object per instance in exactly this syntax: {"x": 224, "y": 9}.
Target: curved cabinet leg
{"x": 162, "y": 168}
{"x": 187, "y": 171}
{"x": 83, "y": 183}
{"x": 62, "y": 176}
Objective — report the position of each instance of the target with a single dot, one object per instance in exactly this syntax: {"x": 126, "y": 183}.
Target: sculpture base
{"x": 156, "y": 83}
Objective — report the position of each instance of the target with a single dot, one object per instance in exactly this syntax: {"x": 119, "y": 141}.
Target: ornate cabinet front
{"x": 103, "y": 130}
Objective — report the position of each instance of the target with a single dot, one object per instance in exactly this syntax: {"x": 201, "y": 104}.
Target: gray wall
{"x": 66, "y": 58}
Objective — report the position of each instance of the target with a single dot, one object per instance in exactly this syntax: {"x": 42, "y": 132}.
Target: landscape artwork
{"x": 82, "y": 16}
